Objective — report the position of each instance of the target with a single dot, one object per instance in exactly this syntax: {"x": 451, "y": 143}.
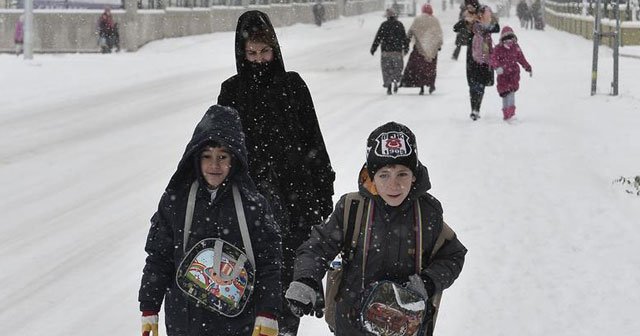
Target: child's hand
{"x": 530, "y": 73}
{"x": 499, "y": 70}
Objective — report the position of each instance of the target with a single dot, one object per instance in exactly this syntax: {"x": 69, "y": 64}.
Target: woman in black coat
{"x": 213, "y": 215}
{"x": 479, "y": 75}
{"x": 287, "y": 155}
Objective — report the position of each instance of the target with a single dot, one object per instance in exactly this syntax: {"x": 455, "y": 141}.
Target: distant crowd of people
{"x": 484, "y": 62}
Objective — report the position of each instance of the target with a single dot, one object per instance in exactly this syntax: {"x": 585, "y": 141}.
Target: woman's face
{"x": 485, "y": 17}
{"x": 215, "y": 163}
{"x": 258, "y": 52}
{"x": 393, "y": 183}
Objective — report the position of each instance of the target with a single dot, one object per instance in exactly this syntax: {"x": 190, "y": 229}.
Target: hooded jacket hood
{"x": 249, "y": 23}
{"x": 222, "y": 125}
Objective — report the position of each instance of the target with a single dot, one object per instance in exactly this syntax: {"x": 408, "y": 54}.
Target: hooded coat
{"x": 285, "y": 145}
{"x": 212, "y": 218}
{"x": 287, "y": 155}
{"x": 391, "y": 253}
{"x": 508, "y": 55}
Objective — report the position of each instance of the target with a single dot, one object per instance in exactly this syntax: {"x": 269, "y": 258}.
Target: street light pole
{"x": 596, "y": 44}
{"x": 28, "y": 29}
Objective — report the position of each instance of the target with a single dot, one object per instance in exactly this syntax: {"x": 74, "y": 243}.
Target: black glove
{"x": 373, "y": 50}
{"x": 302, "y": 297}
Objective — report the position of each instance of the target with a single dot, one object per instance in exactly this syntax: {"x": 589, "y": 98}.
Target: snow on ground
{"x": 88, "y": 142}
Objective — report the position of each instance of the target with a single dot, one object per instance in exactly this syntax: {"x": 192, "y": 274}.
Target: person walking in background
{"x": 506, "y": 60}
{"x": 537, "y": 15}
{"x": 479, "y": 72}
{"x": 318, "y": 12}
{"x": 522, "y": 11}
{"x": 211, "y": 204}
{"x": 462, "y": 36}
{"x": 288, "y": 159}
{"x": 423, "y": 61}
{"x": 107, "y": 32}
{"x": 18, "y": 35}
{"x": 401, "y": 242}
{"x": 394, "y": 45}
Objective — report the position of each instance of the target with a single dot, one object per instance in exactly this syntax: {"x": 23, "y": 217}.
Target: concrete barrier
{"x": 70, "y": 31}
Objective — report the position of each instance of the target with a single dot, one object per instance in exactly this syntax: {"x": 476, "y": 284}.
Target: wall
{"x": 559, "y": 17}
{"x": 75, "y": 31}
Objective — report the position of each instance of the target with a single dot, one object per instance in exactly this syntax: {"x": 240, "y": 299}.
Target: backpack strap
{"x": 242, "y": 221}
{"x": 188, "y": 216}
{"x": 353, "y": 216}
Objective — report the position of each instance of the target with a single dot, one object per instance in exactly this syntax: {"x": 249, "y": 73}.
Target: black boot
{"x": 432, "y": 88}
{"x": 421, "y": 90}
{"x": 389, "y": 89}
{"x": 395, "y": 87}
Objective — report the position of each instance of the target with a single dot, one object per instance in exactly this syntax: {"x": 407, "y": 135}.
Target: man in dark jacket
{"x": 395, "y": 184}
{"x": 287, "y": 156}
{"x": 200, "y": 193}
{"x": 395, "y": 44}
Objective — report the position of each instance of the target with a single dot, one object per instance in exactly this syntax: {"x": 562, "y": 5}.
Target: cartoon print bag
{"x": 390, "y": 309}
{"x": 218, "y": 276}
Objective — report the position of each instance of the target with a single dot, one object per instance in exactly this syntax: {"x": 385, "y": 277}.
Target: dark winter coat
{"x": 522, "y": 10}
{"x": 391, "y": 254}
{"x": 477, "y": 73}
{"x": 509, "y": 57}
{"x": 211, "y": 219}
{"x": 392, "y": 36}
{"x": 287, "y": 155}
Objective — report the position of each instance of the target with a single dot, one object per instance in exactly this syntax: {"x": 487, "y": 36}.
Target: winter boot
{"x": 475, "y": 115}
{"x": 505, "y": 113}
{"x": 432, "y": 88}
{"x": 389, "y": 89}
{"x": 421, "y": 90}
{"x": 512, "y": 111}
{"x": 395, "y": 87}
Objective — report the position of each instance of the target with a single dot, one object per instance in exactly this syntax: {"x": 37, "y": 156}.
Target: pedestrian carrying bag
{"x": 214, "y": 273}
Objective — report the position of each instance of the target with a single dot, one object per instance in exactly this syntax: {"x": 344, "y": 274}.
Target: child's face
{"x": 393, "y": 183}
{"x": 215, "y": 163}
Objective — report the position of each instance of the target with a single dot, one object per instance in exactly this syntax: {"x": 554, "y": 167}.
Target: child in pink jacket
{"x": 505, "y": 59}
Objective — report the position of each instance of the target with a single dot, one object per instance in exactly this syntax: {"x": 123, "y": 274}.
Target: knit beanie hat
{"x": 427, "y": 9}
{"x": 391, "y": 143}
{"x": 507, "y": 33}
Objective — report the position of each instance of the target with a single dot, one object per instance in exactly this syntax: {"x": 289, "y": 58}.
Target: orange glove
{"x": 150, "y": 323}
{"x": 266, "y": 325}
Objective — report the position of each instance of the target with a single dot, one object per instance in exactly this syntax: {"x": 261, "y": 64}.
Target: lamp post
{"x": 28, "y": 29}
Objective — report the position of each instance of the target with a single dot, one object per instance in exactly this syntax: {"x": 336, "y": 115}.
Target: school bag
{"x": 215, "y": 274}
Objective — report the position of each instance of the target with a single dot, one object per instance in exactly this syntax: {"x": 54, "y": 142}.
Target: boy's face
{"x": 258, "y": 52}
{"x": 215, "y": 163}
{"x": 393, "y": 183}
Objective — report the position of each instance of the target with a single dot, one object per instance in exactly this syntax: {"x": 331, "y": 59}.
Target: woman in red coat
{"x": 506, "y": 60}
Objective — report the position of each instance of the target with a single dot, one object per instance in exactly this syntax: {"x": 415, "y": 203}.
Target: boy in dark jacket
{"x": 402, "y": 239}
{"x": 287, "y": 157}
{"x": 199, "y": 204}
{"x": 395, "y": 44}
